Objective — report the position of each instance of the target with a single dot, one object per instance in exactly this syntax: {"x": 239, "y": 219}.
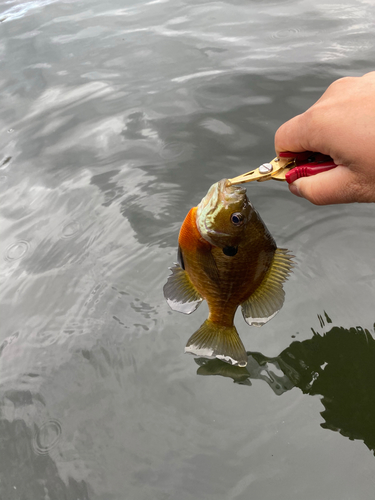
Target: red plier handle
{"x": 307, "y": 163}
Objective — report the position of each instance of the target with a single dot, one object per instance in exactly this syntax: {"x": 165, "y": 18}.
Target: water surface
{"x": 116, "y": 117}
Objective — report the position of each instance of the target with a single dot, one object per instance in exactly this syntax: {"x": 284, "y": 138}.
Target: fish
{"x": 226, "y": 256}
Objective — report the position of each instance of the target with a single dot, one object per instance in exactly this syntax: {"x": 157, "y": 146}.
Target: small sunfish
{"x": 227, "y": 257}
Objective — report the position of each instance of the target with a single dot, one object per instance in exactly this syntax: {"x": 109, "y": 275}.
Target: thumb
{"x": 334, "y": 186}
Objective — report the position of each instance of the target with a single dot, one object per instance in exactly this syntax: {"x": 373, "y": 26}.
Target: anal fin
{"x": 212, "y": 340}
{"x": 268, "y": 298}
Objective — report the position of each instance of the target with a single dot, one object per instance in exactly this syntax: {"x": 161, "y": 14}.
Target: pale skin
{"x": 340, "y": 124}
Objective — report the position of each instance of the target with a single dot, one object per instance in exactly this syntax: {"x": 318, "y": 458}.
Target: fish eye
{"x": 237, "y": 218}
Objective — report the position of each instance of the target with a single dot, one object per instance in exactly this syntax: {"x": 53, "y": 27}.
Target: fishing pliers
{"x": 288, "y": 167}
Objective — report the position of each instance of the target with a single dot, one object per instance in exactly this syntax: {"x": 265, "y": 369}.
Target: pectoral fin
{"x": 180, "y": 293}
{"x": 217, "y": 341}
{"x": 207, "y": 262}
{"x": 268, "y": 299}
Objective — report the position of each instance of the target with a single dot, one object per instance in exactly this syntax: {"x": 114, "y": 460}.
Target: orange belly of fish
{"x": 234, "y": 283}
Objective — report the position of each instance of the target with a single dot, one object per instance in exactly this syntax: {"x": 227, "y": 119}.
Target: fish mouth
{"x": 233, "y": 189}
{"x": 222, "y": 192}
{"x": 219, "y": 196}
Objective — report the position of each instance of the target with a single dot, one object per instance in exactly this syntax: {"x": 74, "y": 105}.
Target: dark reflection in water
{"x": 338, "y": 365}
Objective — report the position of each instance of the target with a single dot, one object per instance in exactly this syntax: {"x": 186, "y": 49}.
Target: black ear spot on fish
{"x": 237, "y": 218}
{"x": 230, "y": 251}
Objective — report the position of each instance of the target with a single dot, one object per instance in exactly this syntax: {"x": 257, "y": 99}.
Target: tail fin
{"x": 216, "y": 341}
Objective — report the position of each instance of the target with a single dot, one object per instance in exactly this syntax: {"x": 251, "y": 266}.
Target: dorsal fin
{"x": 268, "y": 298}
{"x": 180, "y": 293}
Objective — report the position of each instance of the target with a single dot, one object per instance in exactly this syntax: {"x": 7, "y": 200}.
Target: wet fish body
{"x": 227, "y": 257}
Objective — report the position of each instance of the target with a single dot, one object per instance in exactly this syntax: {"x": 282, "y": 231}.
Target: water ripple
{"x": 9, "y": 340}
{"x": 17, "y": 250}
{"x": 47, "y": 437}
{"x": 70, "y": 229}
{"x": 172, "y": 150}
{"x": 286, "y": 33}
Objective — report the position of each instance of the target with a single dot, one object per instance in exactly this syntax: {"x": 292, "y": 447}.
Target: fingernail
{"x": 293, "y": 188}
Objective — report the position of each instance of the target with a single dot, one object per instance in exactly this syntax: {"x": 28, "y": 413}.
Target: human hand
{"x": 341, "y": 124}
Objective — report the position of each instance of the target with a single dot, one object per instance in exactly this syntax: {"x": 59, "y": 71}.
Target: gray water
{"x": 116, "y": 117}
